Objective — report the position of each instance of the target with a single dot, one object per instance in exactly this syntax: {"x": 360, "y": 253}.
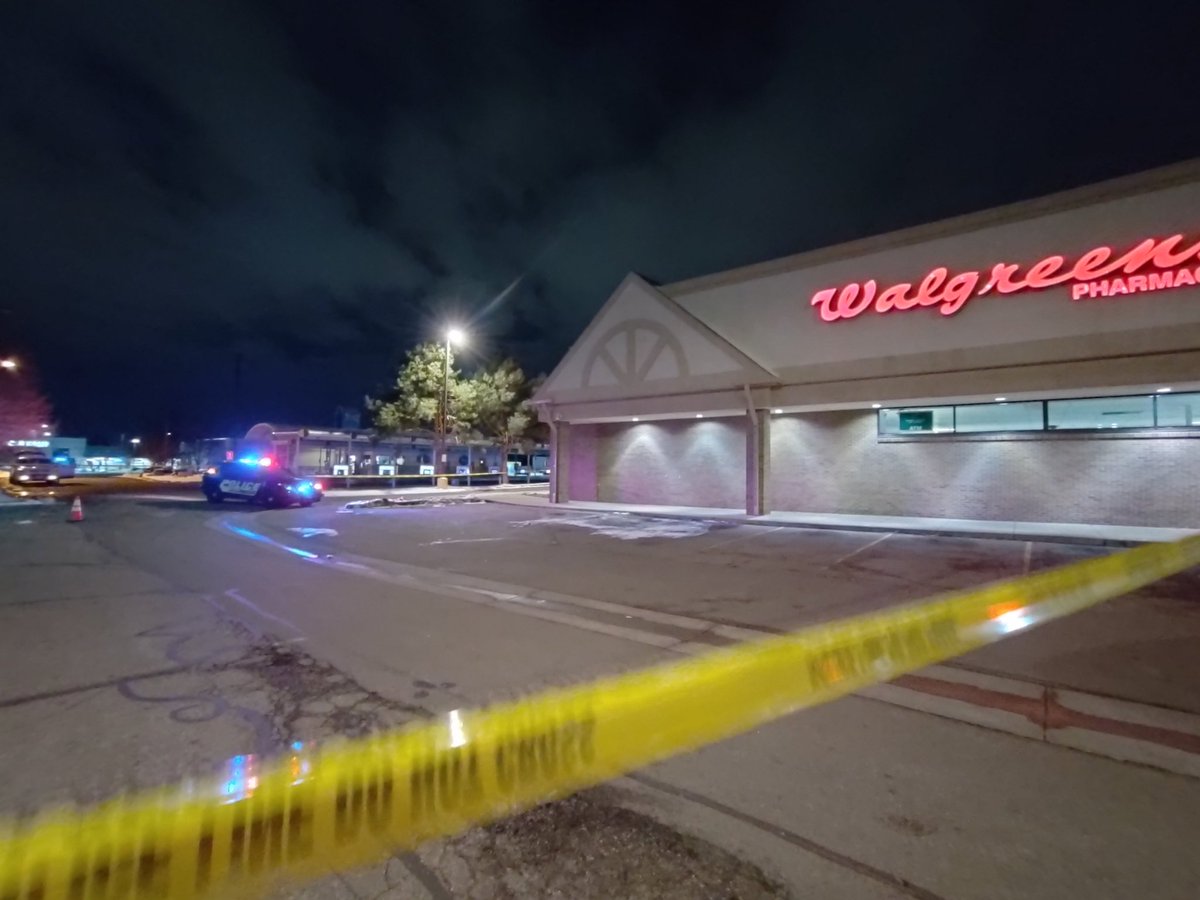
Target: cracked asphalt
{"x": 160, "y": 638}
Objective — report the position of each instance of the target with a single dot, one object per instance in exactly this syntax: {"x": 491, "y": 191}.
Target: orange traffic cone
{"x": 76, "y": 511}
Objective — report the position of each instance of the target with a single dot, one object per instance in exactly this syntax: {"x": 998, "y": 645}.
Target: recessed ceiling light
{"x": 1001, "y": 399}
{"x": 1163, "y": 391}
{"x": 635, "y": 418}
{"x": 874, "y": 406}
{"x": 777, "y": 411}
{"x": 699, "y": 415}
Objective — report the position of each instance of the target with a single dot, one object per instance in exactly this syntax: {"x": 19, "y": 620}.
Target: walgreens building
{"x": 1037, "y": 362}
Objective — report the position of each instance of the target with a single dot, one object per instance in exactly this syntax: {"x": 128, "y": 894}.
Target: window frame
{"x": 1045, "y": 431}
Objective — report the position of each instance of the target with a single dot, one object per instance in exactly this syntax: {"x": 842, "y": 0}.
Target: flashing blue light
{"x": 247, "y": 533}
{"x": 263, "y": 539}
{"x": 248, "y": 460}
{"x": 305, "y": 487}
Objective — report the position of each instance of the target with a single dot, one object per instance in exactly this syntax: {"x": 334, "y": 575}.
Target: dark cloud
{"x": 281, "y": 196}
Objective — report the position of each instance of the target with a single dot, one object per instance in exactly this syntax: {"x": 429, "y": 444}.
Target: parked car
{"x": 33, "y": 468}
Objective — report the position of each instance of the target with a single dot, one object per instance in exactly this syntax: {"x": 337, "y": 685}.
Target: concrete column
{"x": 560, "y": 476}
{"x": 758, "y": 460}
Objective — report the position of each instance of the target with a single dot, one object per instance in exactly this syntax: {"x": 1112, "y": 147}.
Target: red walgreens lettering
{"x": 950, "y": 294}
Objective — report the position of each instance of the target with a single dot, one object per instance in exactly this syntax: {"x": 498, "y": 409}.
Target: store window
{"x": 917, "y": 420}
{"x": 1094, "y": 414}
{"x": 1026, "y": 416}
{"x": 1100, "y": 412}
{"x": 1178, "y": 410}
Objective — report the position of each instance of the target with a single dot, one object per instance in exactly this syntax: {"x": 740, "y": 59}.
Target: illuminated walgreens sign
{"x": 1152, "y": 265}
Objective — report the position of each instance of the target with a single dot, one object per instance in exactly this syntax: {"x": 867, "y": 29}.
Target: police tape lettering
{"x": 540, "y": 755}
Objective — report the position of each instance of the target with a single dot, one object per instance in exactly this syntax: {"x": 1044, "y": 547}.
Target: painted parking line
{"x": 463, "y": 541}
{"x": 752, "y": 533}
{"x": 236, "y": 596}
{"x": 867, "y": 546}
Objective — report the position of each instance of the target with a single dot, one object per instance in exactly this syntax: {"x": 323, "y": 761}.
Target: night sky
{"x": 292, "y": 193}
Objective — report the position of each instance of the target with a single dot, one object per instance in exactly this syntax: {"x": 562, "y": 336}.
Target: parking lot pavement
{"x": 160, "y": 637}
{"x": 763, "y": 577}
{"x": 1137, "y": 647}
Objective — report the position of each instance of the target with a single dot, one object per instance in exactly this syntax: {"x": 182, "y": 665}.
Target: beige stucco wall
{"x": 765, "y": 310}
{"x": 833, "y": 462}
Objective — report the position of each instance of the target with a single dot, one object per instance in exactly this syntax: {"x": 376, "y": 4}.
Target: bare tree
{"x": 24, "y": 410}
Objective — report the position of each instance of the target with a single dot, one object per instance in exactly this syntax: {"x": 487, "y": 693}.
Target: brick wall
{"x": 581, "y": 465}
{"x": 833, "y": 462}
{"x": 676, "y": 462}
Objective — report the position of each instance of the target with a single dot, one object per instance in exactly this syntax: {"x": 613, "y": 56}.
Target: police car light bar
{"x": 263, "y": 461}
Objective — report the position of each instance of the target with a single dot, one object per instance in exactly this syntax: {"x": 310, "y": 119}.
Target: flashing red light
{"x": 265, "y": 461}
{"x": 318, "y": 486}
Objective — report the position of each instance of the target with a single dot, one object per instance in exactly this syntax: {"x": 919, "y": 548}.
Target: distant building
{"x": 332, "y": 451}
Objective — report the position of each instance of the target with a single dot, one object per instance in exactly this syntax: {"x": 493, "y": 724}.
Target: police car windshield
{"x": 253, "y": 468}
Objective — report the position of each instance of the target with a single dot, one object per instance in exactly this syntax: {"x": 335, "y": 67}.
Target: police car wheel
{"x": 273, "y": 497}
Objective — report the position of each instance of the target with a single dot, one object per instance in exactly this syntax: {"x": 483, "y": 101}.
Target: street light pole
{"x": 440, "y": 462}
{"x": 453, "y": 336}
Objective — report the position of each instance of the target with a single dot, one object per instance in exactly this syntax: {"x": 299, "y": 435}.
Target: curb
{"x": 1123, "y": 730}
{"x": 433, "y": 491}
{"x": 1014, "y": 534}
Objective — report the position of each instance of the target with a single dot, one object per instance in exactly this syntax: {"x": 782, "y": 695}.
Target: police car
{"x": 259, "y": 481}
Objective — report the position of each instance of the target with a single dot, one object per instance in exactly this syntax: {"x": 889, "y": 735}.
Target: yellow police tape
{"x": 355, "y": 801}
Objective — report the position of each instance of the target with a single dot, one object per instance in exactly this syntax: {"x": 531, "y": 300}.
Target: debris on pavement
{"x": 401, "y": 502}
{"x": 629, "y": 527}
{"x": 315, "y": 532}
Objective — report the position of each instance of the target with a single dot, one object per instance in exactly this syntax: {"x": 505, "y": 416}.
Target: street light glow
{"x": 135, "y": 441}
{"x": 456, "y": 336}
{"x": 9, "y": 364}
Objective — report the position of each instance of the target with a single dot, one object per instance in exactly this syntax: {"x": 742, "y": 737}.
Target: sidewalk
{"x": 1118, "y": 680}
{"x": 1055, "y": 532}
{"x": 533, "y": 490}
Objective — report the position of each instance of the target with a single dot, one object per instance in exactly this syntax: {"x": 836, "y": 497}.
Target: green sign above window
{"x": 916, "y": 420}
